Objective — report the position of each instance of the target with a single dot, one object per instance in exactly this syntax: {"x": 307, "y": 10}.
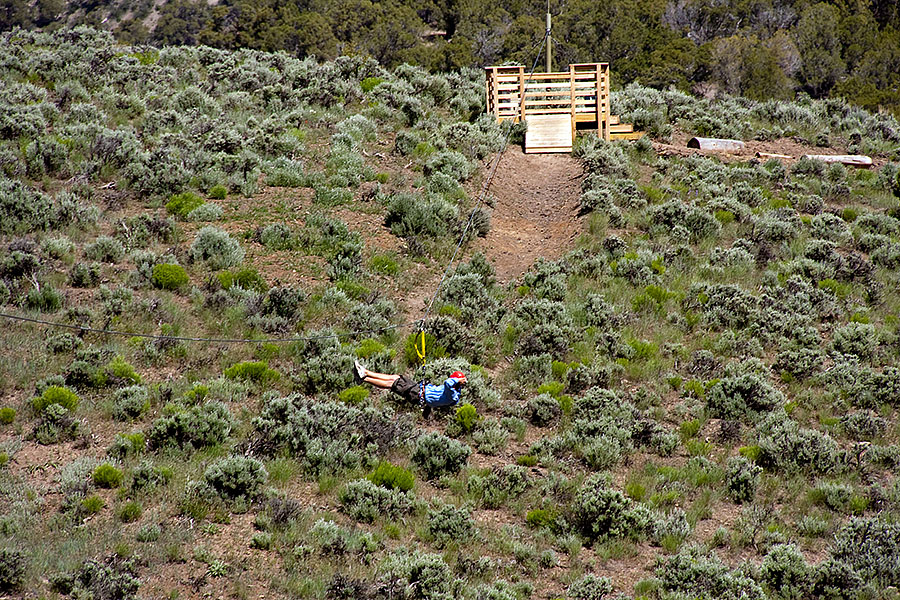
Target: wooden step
{"x": 548, "y": 133}
{"x": 633, "y": 135}
{"x": 621, "y": 128}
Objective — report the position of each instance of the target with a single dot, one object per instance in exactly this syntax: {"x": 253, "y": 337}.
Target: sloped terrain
{"x": 683, "y": 369}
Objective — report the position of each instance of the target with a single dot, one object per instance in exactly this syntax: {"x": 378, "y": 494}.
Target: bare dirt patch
{"x": 536, "y": 210}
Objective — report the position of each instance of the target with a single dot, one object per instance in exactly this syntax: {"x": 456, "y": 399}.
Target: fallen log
{"x": 851, "y": 160}
{"x": 771, "y": 155}
{"x": 716, "y": 144}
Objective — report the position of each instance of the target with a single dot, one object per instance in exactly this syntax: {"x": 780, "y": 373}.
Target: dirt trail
{"x": 536, "y": 210}
{"x": 535, "y": 215}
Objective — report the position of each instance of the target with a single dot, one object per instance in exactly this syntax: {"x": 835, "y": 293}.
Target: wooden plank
{"x": 521, "y": 99}
{"x": 621, "y": 128}
{"x": 770, "y": 155}
{"x": 496, "y": 91}
{"x": 851, "y": 160}
{"x": 634, "y": 135}
{"x": 551, "y": 133}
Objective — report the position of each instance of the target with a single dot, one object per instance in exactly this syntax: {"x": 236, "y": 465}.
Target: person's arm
{"x": 452, "y": 385}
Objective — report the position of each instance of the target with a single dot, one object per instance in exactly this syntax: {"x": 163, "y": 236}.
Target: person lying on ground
{"x": 426, "y": 395}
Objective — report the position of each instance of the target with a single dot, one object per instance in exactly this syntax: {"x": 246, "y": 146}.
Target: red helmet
{"x": 458, "y": 375}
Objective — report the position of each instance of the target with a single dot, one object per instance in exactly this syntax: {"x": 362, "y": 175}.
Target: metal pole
{"x": 549, "y": 45}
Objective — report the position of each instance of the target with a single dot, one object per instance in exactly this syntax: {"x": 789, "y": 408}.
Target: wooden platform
{"x": 579, "y": 96}
{"x": 548, "y": 133}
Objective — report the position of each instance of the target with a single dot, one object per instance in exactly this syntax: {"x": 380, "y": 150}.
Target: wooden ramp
{"x": 548, "y": 133}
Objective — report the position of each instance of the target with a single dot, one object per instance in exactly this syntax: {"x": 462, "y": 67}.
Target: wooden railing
{"x": 582, "y": 92}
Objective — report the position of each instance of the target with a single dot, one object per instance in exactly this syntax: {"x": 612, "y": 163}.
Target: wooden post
{"x": 572, "y": 98}
{"x": 521, "y": 114}
{"x": 496, "y": 96}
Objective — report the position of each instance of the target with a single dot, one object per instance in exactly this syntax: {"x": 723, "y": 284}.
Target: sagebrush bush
{"x": 12, "y": 569}
{"x": 743, "y": 396}
{"x": 329, "y": 437}
{"x": 436, "y": 455}
{"x": 602, "y": 513}
{"x": 105, "y": 249}
{"x": 236, "y": 477}
{"x": 84, "y": 275}
{"x": 589, "y": 587}
{"x": 449, "y": 524}
{"x": 742, "y": 479}
{"x": 130, "y": 402}
{"x": 695, "y": 573}
{"x": 543, "y": 410}
{"x": 198, "y": 426}
{"x": 427, "y": 573}
{"x": 871, "y": 547}
{"x": 216, "y": 248}
{"x": 366, "y": 501}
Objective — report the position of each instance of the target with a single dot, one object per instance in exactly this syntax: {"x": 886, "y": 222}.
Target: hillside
{"x": 683, "y": 368}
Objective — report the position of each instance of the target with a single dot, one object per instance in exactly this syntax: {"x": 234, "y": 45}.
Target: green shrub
{"x": 92, "y": 505}
{"x": 169, "y": 277}
{"x": 466, "y": 417}
{"x": 181, "y": 205}
{"x": 216, "y": 248}
{"x": 540, "y": 517}
{"x": 276, "y": 236}
{"x": 130, "y": 402}
{"x": 218, "y": 192}
{"x": 44, "y": 299}
{"x": 7, "y": 415}
{"x": 354, "y": 395}
{"x": 55, "y": 395}
{"x": 737, "y": 397}
{"x": 392, "y": 477}
{"x": 384, "y": 265}
{"x": 126, "y": 445}
{"x": 368, "y": 502}
{"x": 107, "y": 476}
{"x": 448, "y": 524}
{"x": 129, "y": 512}
{"x": 261, "y": 541}
{"x": 329, "y": 437}
{"x": 236, "y": 477}
{"x": 437, "y": 455}
{"x": 247, "y": 279}
{"x": 404, "y": 569}
{"x": 12, "y": 569}
{"x": 695, "y": 573}
{"x": 258, "y": 372}
{"x": 118, "y": 370}
{"x": 369, "y": 83}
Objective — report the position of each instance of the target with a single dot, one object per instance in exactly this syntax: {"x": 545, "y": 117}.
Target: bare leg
{"x": 380, "y": 380}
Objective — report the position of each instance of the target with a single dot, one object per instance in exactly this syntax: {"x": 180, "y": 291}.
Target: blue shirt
{"x": 442, "y": 395}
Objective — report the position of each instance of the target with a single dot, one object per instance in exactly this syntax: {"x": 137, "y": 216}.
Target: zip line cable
{"x": 352, "y": 334}
{"x": 484, "y": 187}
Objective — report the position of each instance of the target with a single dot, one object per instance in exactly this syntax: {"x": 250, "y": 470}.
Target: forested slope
{"x": 697, "y": 399}
{"x": 757, "y": 48}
